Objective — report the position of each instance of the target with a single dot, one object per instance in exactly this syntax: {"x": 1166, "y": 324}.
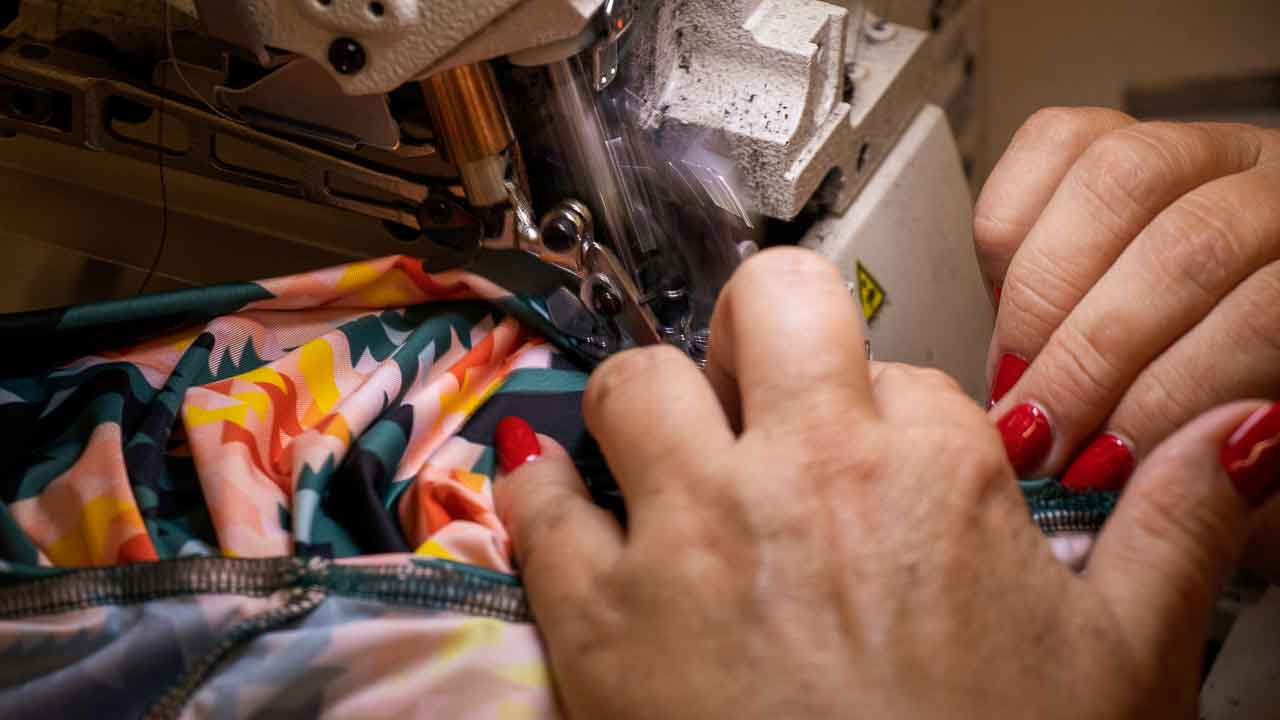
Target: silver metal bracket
{"x": 615, "y": 16}
{"x": 604, "y": 286}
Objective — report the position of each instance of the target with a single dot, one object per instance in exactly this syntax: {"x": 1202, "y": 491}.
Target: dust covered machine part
{"x": 634, "y": 151}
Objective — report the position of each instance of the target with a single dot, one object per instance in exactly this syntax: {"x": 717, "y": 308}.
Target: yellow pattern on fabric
{"x": 532, "y": 674}
{"x": 86, "y": 544}
{"x": 358, "y": 275}
{"x": 470, "y": 635}
{"x": 338, "y": 428}
{"x": 315, "y": 361}
{"x": 182, "y": 341}
{"x": 198, "y": 416}
{"x": 434, "y": 549}
{"x": 467, "y": 399}
{"x": 257, "y": 401}
{"x": 515, "y": 710}
{"x": 368, "y": 285}
{"x": 471, "y": 481}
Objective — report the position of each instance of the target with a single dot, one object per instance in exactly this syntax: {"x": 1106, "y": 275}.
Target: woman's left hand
{"x": 1138, "y": 275}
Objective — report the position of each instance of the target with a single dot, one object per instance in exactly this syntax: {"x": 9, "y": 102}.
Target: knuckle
{"x": 1189, "y": 529}
{"x": 1121, "y": 175}
{"x": 1058, "y": 124}
{"x": 1161, "y": 402}
{"x": 995, "y": 237}
{"x": 935, "y": 380}
{"x": 1080, "y": 365}
{"x": 826, "y": 450}
{"x": 904, "y": 375}
{"x": 535, "y": 537}
{"x": 976, "y": 466}
{"x": 1038, "y": 296}
{"x": 1195, "y": 248}
{"x": 1259, "y": 323}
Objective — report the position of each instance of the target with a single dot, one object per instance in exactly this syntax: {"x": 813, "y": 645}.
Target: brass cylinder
{"x": 471, "y": 124}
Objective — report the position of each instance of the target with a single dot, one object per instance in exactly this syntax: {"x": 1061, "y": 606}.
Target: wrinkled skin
{"x": 812, "y": 536}
{"x": 1140, "y": 273}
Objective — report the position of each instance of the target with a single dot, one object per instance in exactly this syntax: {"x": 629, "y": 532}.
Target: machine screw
{"x": 566, "y": 227}
{"x": 347, "y": 56}
{"x": 438, "y": 210}
{"x": 605, "y": 300}
{"x": 560, "y": 235}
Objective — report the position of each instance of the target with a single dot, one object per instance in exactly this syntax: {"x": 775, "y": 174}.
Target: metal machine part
{"x": 398, "y": 41}
{"x": 663, "y": 138}
{"x": 468, "y": 115}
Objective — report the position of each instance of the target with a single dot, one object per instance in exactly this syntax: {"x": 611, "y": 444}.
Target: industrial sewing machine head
{"x": 640, "y": 149}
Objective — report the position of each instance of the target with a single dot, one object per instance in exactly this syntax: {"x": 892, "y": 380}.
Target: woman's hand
{"x": 811, "y": 537}
{"x": 1139, "y": 274}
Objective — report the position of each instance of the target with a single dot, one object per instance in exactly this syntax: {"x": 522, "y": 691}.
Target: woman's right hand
{"x": 812, "y": 537}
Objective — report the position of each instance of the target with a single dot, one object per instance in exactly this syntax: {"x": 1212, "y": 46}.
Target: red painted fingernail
{"x": 997, "y": 292}
{"x": 516, "y": 442}
{"x": 1105, "y": 465}
{"x": 1027, "y": 437}
{"x": 1008, "y": 372}
{"x": 1252, "y": 456}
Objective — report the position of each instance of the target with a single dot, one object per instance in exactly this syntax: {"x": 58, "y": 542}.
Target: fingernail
{"x": 1027, "y": 437}
{"x": 1105, "y": 465}
{"x": 1008, "y": 372}
{"x": 997, "y": 291}
{"x": 516, "y": 443}
{"x": 1251, "y": 456}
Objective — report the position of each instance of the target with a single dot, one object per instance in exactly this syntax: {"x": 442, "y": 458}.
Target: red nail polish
{"x": 1105, "y": 465}
{"x": 1008, "y": 372}
{"x": 1027, "y": 437}
{"x": 997, "y": 291}
{"x": 1252, "y": 456}
{"x": 516, "y": 443}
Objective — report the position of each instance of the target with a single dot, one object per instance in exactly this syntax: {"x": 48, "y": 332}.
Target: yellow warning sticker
{"x": 871, "y": 293}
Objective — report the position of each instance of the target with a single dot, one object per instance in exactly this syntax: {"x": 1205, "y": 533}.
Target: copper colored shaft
{"x": 471, "y": 123}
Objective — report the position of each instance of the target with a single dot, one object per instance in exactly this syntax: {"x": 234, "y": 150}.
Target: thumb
{"x": 563, "y": 542}
{"x": 1175, "y": 536}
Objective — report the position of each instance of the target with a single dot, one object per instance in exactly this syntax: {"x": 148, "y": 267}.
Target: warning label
{"x": 871, "y": 292}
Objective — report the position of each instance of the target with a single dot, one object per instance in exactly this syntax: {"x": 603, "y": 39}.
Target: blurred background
{"x": 1190, "y": 59}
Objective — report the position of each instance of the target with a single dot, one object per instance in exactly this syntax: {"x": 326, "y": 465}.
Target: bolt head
{"x": 606, "y": 300}
{"x": 560, "y": 235}
{"x": 347, "y": 56}
{"x": 438, "y": 210}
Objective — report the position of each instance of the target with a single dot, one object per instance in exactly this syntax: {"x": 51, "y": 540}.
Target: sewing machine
{"x": 619, "y": 157}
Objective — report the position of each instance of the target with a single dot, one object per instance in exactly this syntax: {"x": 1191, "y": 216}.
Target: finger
{"x": 1164, "y": 554}
{"x": 1171, "y": 277}
{"x": 1031, "y": 169}
{"x": 1234, "y": 352}
{"x": 651, "y": 410}
{"x": 786, "y": 339}
{"x": 726, "y": 389}
{"x": 909, "y": 395}
{"x": 1121, "y": 183}
{"x": 563, "y": 542}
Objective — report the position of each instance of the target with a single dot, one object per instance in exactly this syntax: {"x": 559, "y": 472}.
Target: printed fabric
{"x": 342, "y": 417}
